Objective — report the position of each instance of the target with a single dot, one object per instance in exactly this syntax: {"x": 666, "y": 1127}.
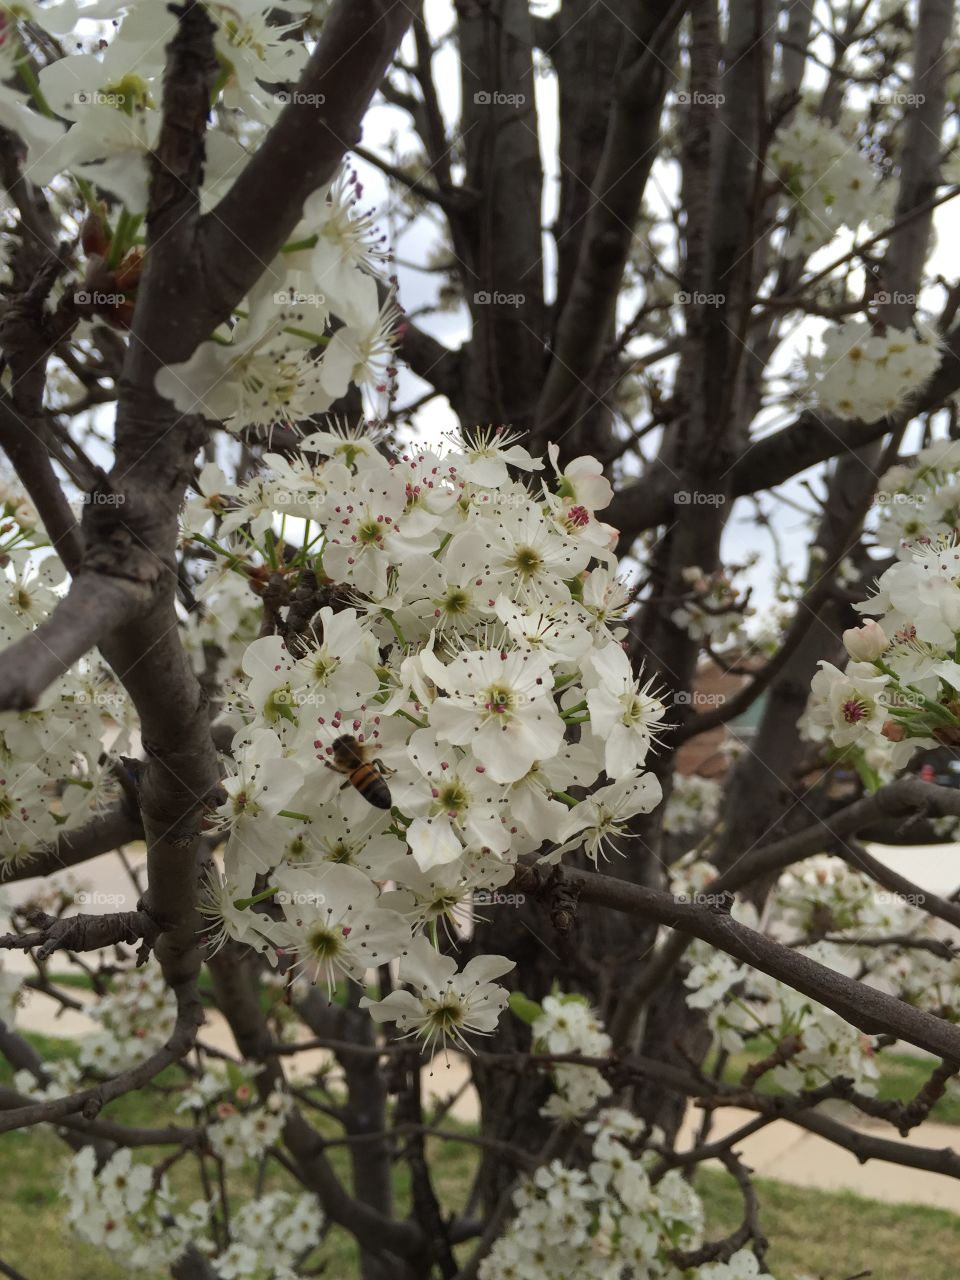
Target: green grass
{"x": 831, "y": 1235}
{"x": 837, "y": 1234}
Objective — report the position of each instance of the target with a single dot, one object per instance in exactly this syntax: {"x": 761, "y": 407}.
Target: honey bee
{"x": 365, "y": 776}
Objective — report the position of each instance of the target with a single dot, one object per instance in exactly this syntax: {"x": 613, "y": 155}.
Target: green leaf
{"x": 527, "y": 1010}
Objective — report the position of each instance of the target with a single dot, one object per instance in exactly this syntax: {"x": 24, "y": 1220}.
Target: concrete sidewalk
{"x": 788, "y": 1154}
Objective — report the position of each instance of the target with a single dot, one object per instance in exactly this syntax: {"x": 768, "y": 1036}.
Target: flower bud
{"x": 866, "y": 643}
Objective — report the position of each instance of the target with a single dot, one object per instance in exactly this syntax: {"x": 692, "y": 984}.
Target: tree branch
{"x": 84, "y": 932}
{"x": 90, "y": 1101}
{"x": 872, "y": 1011}
{"x": 812, "y": 438}
{"x": 102, "y": 834}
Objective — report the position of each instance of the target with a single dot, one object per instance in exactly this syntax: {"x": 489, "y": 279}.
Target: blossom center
{"x": 498, "y": 700}
{"x": 527, "y": 561}
{"x": 855, "y": 709}
{"x": 325, "y": 943}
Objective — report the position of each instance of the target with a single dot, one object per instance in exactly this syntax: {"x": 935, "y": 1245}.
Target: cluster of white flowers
{"x": 271, "y": 1236}
{"x": 901, "y": 685}
{"x": 124, "y": 1208}
{"x": 244, "y": 1133}
{"x": 280, "y": 363}
{"x": 480, "y": 665}
{"x": 61, "y": 1077}
{"x": 715, "y": 610}
{"x": 609, "y": 1219}
{"x": 828, "y": 179}
{"x": 763, "y": 1015}
{"x": 920, "y": 500}
{"x": 137, "y": 1016}
{"x": 823, "y": 896}
{"x": 865, "y": 372}
{"x": 128, "y": 1209}
{"x": 693, "y": 806}
{"x": 814, "y": 903}
{"x": 55, "y": 774}
{"x": 567, "y": 1024}
{"x": 315, "y": 322}
{"x": 602, "y": 1222}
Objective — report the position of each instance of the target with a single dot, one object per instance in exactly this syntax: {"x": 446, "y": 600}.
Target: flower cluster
{"x": 746, "y": 1009}
{"x": 838, "y": 917}
{"x": 122, "y": 1207}
{"x": 137, "y": 1016}
{"x": 244, "y": 1132}
{"x": 464, "y": 669}
{"x": 602, "y": 1222}
{"x": 320, "y": 317}
{"x": 271, "y": 1237}
{"x": 127, "y": 1208}
{"x": 824, "y": 897}
{"x": 902, "y": 684}
{"x": 567, "y": 1024}
{"x": 613, "y": 1217}
{"x": 693, "y": 806}
{"x": 55, "y": 775}
{"x": 828, "y": 179}
{"x": 920, "y": 500}
{"x": 280, "y": 362}
{"x": 865, "y": 372}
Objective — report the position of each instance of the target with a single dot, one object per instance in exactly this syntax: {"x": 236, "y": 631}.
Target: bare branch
{"x": 872, "y": 1011}
{"x": 84, "y": 932}
{"x": 90, "y": 1101}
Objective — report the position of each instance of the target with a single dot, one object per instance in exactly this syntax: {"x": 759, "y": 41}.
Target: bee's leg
{"x": 327, "y": 765}
{"x": 384, "y": 770}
